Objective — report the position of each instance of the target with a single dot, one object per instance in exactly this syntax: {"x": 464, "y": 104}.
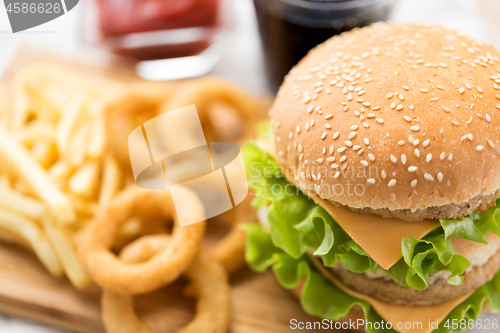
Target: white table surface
{"x": 242, "y": 62}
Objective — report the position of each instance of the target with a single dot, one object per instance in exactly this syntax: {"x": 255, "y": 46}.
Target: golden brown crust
{"x": 416, "y": 109}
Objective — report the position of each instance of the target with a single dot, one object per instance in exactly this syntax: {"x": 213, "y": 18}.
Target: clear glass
{"x": 167, "y": 54}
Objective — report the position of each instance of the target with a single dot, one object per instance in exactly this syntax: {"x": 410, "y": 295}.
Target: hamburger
{"x": 377, "y": 180}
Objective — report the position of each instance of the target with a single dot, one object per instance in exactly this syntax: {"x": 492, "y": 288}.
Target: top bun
{"x": 397, "y": 119}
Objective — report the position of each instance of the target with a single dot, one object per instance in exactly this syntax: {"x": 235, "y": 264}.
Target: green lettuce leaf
{"x": 323, "y": 299}
{"x": 298, "y": 225}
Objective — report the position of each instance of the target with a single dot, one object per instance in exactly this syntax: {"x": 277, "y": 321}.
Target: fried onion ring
{"x": 207, "y": 276}
{"x": 109, "y": 272}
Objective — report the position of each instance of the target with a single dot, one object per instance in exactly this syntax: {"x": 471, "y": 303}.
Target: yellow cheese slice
{"x": 399, "y": 315}
{"x": 379, "y": 237}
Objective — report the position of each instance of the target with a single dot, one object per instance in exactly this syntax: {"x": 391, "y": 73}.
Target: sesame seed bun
{"x": 395, "y": 119}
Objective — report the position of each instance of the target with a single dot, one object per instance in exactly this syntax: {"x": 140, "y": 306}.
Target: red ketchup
{"x": 119, "y": 18}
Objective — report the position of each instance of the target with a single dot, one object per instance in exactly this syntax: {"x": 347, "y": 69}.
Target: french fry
{"x": 44, "y": 153}
{"x": 84, "y": 180}
{"x": 31, "y": 233}
{"x": 84, "y": 208}
{"x": 25, "y": 168}
{"x": 60, "y": 172}
{"x": 76, "y": 148}
{"x": 97, "y": 143}
{"x": 111, "y": 180}
{"x": 67, "y": 123}
{"x": 62, "y": 243}
{"x": 21, "y": 104}
{"x": 21, "y": 204}
{"x": 36, "y": 131}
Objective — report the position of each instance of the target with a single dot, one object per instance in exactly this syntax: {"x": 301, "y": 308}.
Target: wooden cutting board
{"x": 28, "y": 291}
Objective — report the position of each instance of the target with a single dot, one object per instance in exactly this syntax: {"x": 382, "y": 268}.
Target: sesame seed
{"x": 380, "y": 120}
{"x": 389, "y": 95}
{"x": 354, "y": 127}
{"x": 297, "y": 129}
{"x": 370, "y": 181}
{"x": 440, "y": 177}
{"x": 336, "y": 135}
{"x": 401, "y": 97}
{"x": 278, "y": 139}
{"x": 310, "y": 108}
{"x": 323, "y": 136}
{"x": 371, "y": 157}
{"x": 349, "y": 97}
{"x": 361, "y": 92}
{"x": 334, "y": 165}
{"x": 401, "y": 142}
{"x": 415, "y": 128}
{"x": 411, "y": 107}
{"x": 342, "y": 149}
{"x": 442, "y": 156}
{"x": 337, "y": 174}
{"x": 403, "y": 159}
{"x": 391, "y": 182}
{"x": 468, "y": 85}
{"x": 412, "y": 168}
{"x": 479, "y": 89}
{"x": 405, "y": 88}
{"x": 367, "y": 104}
{"x": 375, "y": 108}
{"x": 479, "y": 148}
{"x": 330, "y": 159}
{"x": 394, "y": 159}
{"x": 434, "y": 99}
{"x": 352, "y": 135}
{"x": 416, "y": 142}
{"x": 330, "y": 116}
{"x": 383, "y": 174}
{"x": 426, "y": 143}
{"x": 450, "y": 157}
{"x": 343, "y": 158}
{"x": 356, "y": 147}
{"x": 446, "y": 109}
{"x": 324, "y": 150}
{"x": 366, "y": 141}
{"x": 364, "y": 163}
{"x": 428, "y": 158}
{"x": 488, "y": 118}
{"x": 312, "y": 122}
{"x": 346, "y": 108}
{"x": 290, "y": 135}
{"x": 328, "y": 126}
{"x": 498, "y": 106}
{"x": 306, "y": 99}
{"x": 371, "y": 115}
{"x": 440, "y": 87}
{"x": 300, "y": 148}
{"x": 318, "y": 189}
{"x": 407, "y": 118}
{"x": 399, "y": 107}
{"x": 393, "y": 105}
{"x": 416, "y": 152}
{"x": 348, "y": 143}
{"x": 424, "y": 90}
{"x": 301, "y": 157}
{"x": 413, "y": 183}
{"x": 492, "y": 145}
{"x": 428, "y": 176}
{"x": 454, "y": 122}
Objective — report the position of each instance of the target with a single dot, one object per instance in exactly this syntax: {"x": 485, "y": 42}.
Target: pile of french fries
{"x": 56, "y": 170}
